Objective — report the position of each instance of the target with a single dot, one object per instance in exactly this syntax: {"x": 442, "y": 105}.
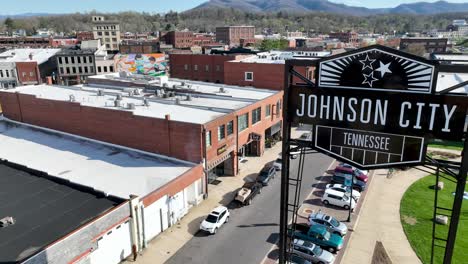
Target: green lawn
{"x": 416, "y": 212}
{"x": 447, "y": 145}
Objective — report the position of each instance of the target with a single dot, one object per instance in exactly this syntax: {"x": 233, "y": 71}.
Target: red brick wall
{"x": 178, "y": 62}
{"x": 171, "y": 138}
{"x": 24, "y": 70}
{"x": 175, "y": 186}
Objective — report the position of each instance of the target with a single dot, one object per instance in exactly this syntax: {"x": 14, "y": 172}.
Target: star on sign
{"x": 383, "y": 69}
{"x": 369, "y": 79}
{"x": 367, "y": 62}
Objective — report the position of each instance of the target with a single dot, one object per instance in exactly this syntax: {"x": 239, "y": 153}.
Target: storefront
{"x": 273, "y": 134}
{"x": 222, "y": 166}
{"x": 252, "y": 147}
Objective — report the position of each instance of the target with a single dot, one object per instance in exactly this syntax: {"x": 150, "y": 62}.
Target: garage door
{"x": 114, "y": 246}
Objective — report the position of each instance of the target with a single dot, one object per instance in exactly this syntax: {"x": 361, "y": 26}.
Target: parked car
{"x": 357, "y": 184}
{"x": 349, "y": 171}
{"x": 278, "y": 163}
{"x": 345, "y": 189}
{"x": 333, "y": 225}
{"x": 306, "y": 136}
{"x": 365, "y": 172}
{"x": 295, "y": 259}
{"x": 338, "y": 199}
{"x": 246, "y": 194}
{"x": 214, "y": 221}
{"x": 266, "y": 174}
{"x": 312, "y": 252}
{"x": 319, "y": 235}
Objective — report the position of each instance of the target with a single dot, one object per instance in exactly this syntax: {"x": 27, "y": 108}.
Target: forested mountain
{"x": 208, "y": 19}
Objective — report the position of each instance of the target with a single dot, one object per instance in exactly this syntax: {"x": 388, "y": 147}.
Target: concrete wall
{"x": 82, "y": 240}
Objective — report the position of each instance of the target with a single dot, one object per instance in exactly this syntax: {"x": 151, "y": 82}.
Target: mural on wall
{"x": 154, "y": 64}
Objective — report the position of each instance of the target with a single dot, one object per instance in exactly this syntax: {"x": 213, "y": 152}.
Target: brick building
{"x": 346, "y": 37}
{"x": 139, "y": 47}
{"x": 235, "y": 35}
{"x": 26, "y": 66}
{"x": 84, "y": 35}
{"x": 430, "y": 44}
{"x": 25, "y": 42}
{"x": 193, "y": 121}
{"x": 200, "y": 67}
{"x": 178, "y": 39}
{"x": 264, "y": 70}
{"x": 63, "y": 42}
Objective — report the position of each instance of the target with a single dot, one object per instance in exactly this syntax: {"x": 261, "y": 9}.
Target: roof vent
{"x": 130, "y": 93}
{"x": 72, "y": 98}
{"x": 146, "y": 102}
{"x": 6, "y": 221}
{"x": 182, "y": 83}
{"x": 189, "y": 97}
{"x": 165, "y": 95}
{"x": 171, "y": 94}
{"x": 221, "y": 90}
{"x": 117, "y": 103}
{"x": 174, "y": 86}
{"x": 165, "y": 85}
{"x": 136, "y": 91}
{"x": 131, "y": 106}
{"x": 118, "y": 97}
{"x": 177, "y": 101}
{"x": 100, "y": 92}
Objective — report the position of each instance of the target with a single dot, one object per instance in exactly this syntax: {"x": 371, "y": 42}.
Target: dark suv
{"x": 357, "y": 184}
{"x": 266, "y": 174}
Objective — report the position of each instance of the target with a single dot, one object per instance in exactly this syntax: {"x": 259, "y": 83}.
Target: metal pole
{"x": 285, "y": 169}
{"x": 436, "y": 191}
{"x": 350, "y": 198}
{"x": 457, "y": 204}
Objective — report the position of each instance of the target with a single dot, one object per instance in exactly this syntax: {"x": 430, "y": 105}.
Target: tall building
{"x": 179, "y": 39}
{"x": 235, "y": 35}
{"x": 108, "y": 32}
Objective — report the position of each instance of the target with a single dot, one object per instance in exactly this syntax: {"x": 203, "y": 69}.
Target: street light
{"x": 349, "y": 179}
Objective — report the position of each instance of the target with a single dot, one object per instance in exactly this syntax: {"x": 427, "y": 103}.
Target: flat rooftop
{"x": 22, "y": 55}
{"x": 44, "y": 210}
{"x": 448, "y": 79}
{"x": 279, "y": 57}
{"x": 107, "y": 168}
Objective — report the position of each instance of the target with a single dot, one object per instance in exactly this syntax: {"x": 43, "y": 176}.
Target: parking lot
{"x": 313, "y": 203}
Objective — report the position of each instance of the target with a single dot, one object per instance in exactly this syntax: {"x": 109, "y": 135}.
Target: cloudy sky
{"x": 67, "y": 6}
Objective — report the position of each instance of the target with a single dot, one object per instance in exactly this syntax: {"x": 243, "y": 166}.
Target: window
{"x": 208, "y": 138}
{"x": 230, "y": 127}
{"x": 107, "y": 39}
{"x": 221, "y": 132}
{"x": 1, "y": 73}
{"x": 267, "y": 110}
{"x": 278, "y": 107}
{"x": 105, "y": 68}
{"x": 84, "y": 59}
{"x": 86, "y": 69}
{"x": 256, "y": 115}
{"x": 90, "y": 59}
{"x": 113, "y": 33}
{"x": 107, "y": 46}
{"x": 61, "y": 71}
{"x": 91, "y": 69}
{"x": 68, "y": 70}
{"x": 186, "y": 67}
{"x": 207, "y": 67}
{"x": 78, "y": 59}
{"x": 106, "y": 33}
{"x": 66, "y": 60}
{"x": 99, "y": 69}
{"x": 218, "y": 68}
{"x": 80, "y": 70}
{"x": 243, "y": 122}
{"x": 60, "y": 60}
{"x": 195, "y": 67}
{"x": 111, "y": 68}
{"x": 99, "y": 33}
{"x": 74, "y": 69}
{"x": 249, "y": 76}
{"x": 73, "y": 60}
{"x": 114, "y": 39}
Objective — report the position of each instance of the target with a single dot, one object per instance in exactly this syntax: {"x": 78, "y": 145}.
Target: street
{"x": 252, "y": 230}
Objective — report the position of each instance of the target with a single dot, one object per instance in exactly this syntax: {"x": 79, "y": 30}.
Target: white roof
{"x": 156, "y": 109}
{"x": 22, "y": 55}
{"x": 462, "y": 58}
{"x": 279, "y": 57}
{"x": 108, "y": 168}
{"x": 448, "y": 79}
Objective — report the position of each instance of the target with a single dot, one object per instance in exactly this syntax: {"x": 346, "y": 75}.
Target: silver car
{"x": 331, "y": 223}
{"x": 312, "y": 252}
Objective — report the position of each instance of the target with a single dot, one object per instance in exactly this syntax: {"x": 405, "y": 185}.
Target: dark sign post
{"x": 373, "y": 108}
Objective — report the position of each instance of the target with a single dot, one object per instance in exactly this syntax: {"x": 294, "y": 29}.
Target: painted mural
{"x": 154, "y": 64}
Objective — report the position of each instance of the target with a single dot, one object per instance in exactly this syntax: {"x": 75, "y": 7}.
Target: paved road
{"x": 252, "y": 230}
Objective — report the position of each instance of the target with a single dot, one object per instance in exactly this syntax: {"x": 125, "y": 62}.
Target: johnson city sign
{"x": 377, "y": 107}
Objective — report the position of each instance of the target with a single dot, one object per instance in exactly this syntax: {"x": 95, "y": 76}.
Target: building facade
{"x": 430, "y": 44}
{"x": 179, "y": 39}
{"x": 235, "y": 35}
{"x": 107, "y": 31}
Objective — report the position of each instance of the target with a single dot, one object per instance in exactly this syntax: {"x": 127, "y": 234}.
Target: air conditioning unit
{"x": 189, "y": 97}
{"x": 136, "y": 91}
{"x": 100, "y": 92}
{"x": 118, "y": 97}
{"x": 221, "y": 90}
{"x": 131, "y": 106}
{"x": 146, "y": 102}
{"x": 72, "y": 98}
{"x": 177, "y": 101}
{"x": 117, "y": 103}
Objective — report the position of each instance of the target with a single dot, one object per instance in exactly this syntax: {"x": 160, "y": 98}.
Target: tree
{"x": 9, "y": 24}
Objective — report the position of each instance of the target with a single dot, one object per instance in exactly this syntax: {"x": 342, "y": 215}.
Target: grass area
{"x": 447, "y": 145}
{"x": 416, "y": 211}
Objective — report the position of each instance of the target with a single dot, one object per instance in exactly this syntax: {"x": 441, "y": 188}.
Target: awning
{"x": 219, "y": 160}
{"x": 275, "y": 128}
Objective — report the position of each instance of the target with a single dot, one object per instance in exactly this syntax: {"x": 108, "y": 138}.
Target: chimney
{"x": 168, "y": 117}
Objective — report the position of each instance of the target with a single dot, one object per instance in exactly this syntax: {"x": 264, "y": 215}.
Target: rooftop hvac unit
{"x": 130, "y": 93}
{"x": 72, "y": 98}
{"x": 131, "y": 106}
{"x": 174, "y": 86}
{"x": 177, "y": 101}
{"x": 100, "y": 92}
{"x": 117, "y": 103}
{"x": 6, "y": 221}
{"x": 146, "y": 102}
{"x": 171, "y": 94}
{"x": 165, "y": 85}
{"x": 189, "y": 97}
{"x": 222, "y": 90}
{"x": 165, "y": 95}
{"x": 136, "y": 91}
{"x": 118, "y": 97}
{"x": 182, "y": 83}
{"x": 123, "y": 74}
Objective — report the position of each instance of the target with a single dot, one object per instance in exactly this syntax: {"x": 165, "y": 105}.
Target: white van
{"x": 338, "y": 199}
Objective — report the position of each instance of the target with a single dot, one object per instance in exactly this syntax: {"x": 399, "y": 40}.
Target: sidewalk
{"x": 380, "y": 220}
{"x": 165, "y": 245}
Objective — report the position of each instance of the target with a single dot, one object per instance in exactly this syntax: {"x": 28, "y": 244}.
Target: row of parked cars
{"x": 323, "y": 235}
{"x": 220, "y": 215}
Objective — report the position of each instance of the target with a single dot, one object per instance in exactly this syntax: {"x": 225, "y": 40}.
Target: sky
{"x": 156, "y": 6}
